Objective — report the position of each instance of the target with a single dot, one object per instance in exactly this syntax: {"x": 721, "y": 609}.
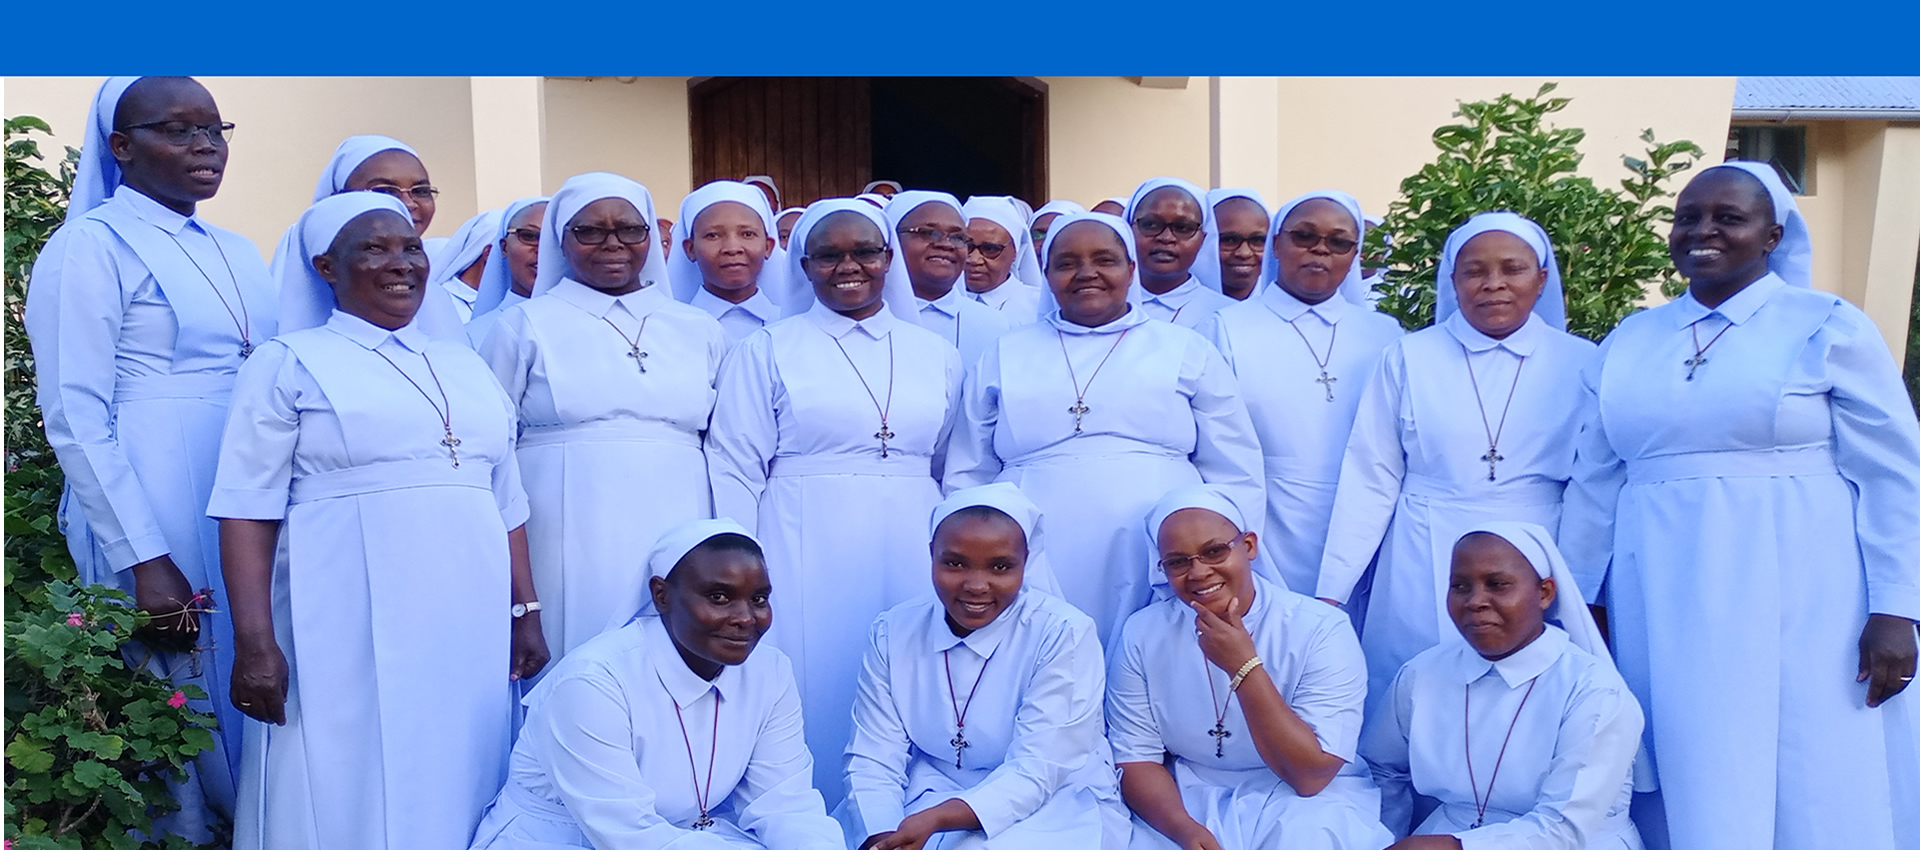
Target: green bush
{"x": 1504, "y": 157}
{"x": 91, "y": 742}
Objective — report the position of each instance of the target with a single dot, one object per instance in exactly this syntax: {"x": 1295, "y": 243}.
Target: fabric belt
{"x": 611, "y": 431}
{"x": 1295, "y": 469}
{"x": 896, "y": 464}
{"x": 533, "y": 805}
{"x": 193, "y": 385}
{"x": 1765, "y": 463}
{"x": 1534, "y": 491}
{"x": 391, "y": 475}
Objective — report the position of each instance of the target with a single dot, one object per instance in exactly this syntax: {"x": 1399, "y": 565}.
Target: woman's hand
{"x": 529, "y": 647}
{"x": 1887, "y": 657}
{"x": 162, "y": 591}
{"x": 1426, "y": 842}
{"x": 1199, "y": 839}
{"x": 1224, "y": 640}
{"x": 260, "y": 681}
{"x": 919, "y": 827}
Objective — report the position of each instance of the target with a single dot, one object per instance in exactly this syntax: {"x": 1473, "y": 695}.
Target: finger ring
{"x": 246, "y": 705}
{"x": 1906, "y": 678}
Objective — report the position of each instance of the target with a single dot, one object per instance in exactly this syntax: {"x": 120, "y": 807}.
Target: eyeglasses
{"x": 1213, "y": 555}
{"x": 421, "y": 194}
{"x": 1151, "y": 227}
{"x": 1230, "y": 242}
{"x": 1308, "y": 239}
{"x": 526, "y": 235}
{"x": 628, "y": 234}
{"x": 990, "y": 250}
{"x": 862, "y": 256}
{"x": 934, "y": 237}
{"x": 181, "y": 133}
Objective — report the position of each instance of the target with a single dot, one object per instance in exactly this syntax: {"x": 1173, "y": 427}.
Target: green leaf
{"x": 28, "y": 756}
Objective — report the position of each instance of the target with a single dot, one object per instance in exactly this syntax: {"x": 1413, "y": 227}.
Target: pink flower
{"x": 178, "y": 699}
{"x": 73, "y": 619}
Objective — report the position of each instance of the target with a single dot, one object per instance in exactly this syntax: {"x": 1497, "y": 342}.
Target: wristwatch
{"x": 522, "y": 609}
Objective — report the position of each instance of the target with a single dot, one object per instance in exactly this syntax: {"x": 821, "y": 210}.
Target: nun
{"x": 1112, "y": 206}
{"x": 1230, "y": 261}
{"x": 883, "y": 188}
{"x": 1003, "y": 271}
{"x": 932, "y": 259}
{"x": 804, "y": 450}
{"x": 614, "y": 382}
{"x": 765, "y": 184}
{"x": 1171, "y": 224}
{"x": 785, "y": 221}
{"x": 1259, "y": 750}
{"x": 1523, "y": 734}
{"x": 140, "y": 311}
{"x": 368, "y": 163}
{"x": 596, "y": 765}
{"x": 1096, "y": 411}
{"x": 1045, "y": 216}
{"x": 1747, "y": 485}
{"x": 1303, "y": 348}
{"x": 511, "y": 268}
{"x": 371, "y": 521}
{"x": 463, "y": 264}
{"x": 952, "y": 750}
{"x": 729, "y": 264}
{"x": 1470, "y": 420}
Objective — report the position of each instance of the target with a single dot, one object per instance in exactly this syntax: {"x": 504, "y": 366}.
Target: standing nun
{"x": 784, "y": 222}
{"x": 139, "y": 314}
{"x": 951, "y": 749}
{"x": 371, "y": 520}
{"x": 596, "y": 764}
{"x": 1266, "y": 759}
{"x": 1171, "y": 224}
{"x": 511, "y": 266}
{"x": 729, "y": 264}
{"x": 1470, "y": 420}
{"x": 828, "y": 440}
{"x": 368, "y": 164}
{"x": 463, "y": 263}
{"x": 1097, "y": 411}
{"x": 614, "y": 382}
{"x": 931, "y": 231}
{"x": 1748, "y": 485}
{"x": 1043, "y": 219}
{"x": 1303, "y": 348}
{"x": 1232, "y": 259}
{"x": 1003, "y": 272}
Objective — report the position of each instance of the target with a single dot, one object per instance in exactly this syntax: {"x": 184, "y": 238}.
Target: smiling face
{"x": 1167, "y": 257}
{"x": 523, "y": 257}
{"x": 1496, "y": 599}
{"x": 178, "y": 177}
{"x": 841, "y": 279}
{"x": 730, "y": 244}
{"x": 1314, "y": 274}
{"x": 932, "y": 266}
{"x": 1240, "y": 265}
{"x": 396, "y": 173}
{"x": 1723, "y": 230}
{"x": 979, "y": 563}
{"x": 613, "y": 266}
{"x": 1088, "y": 271}
{"x": 377, "y": 268}
{"x": 716, "y": 603}
{"x": 1497, "y": 278}
{"x": 983, "y": 272}
{"x": 1195, "y": 534}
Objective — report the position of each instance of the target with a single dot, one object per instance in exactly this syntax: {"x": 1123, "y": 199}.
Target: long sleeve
{"x": 509, "y": 495}
{"x": 1131, "y": 727}
{"x": 255, "y": 474}
{"x": 880, "y": 750}
{"x": 75, "y": 308}
{"x": 1593, "y": 493}
{"x": 1592, "y": 760}
{"x": 1055, "y": 731}
{"x": 1877, "y": 447}
{"x": 779, "y": 803}
{"x": 1226, "y": 450}
{"x": 510, "y": 358}
{"x": 1384, "y": 744}
{"x": 744, "y": 432}
{"x": 956, "y": 377}
{"x": 970, "y": 457}
{"x": 1371, "y": 473}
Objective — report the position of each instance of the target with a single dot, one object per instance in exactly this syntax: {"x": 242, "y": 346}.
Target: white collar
{"x": 984, "y": 640}
{"x": 837, "y": 326}
{"x": 1290, "y": 308}
{"x": 951, "y": 303}
{"x": 1177, "y": 296}
{"x": 1133, "y": 318}
{"x": 1523, "y": 665}
{"x": 597, "y": 304}
{"x": 757, "y": 305}
{"x": 1736, "y": 310}
{"x": 153, "y": 212}
{"x": 1521, "y": 342}
{"x": 460, "y": 290}
{"x": 371, "y": 336}
{"x": 683, "y": 686}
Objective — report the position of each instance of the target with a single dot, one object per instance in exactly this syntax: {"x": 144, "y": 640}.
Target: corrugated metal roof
{"x": 1891, "y": 93}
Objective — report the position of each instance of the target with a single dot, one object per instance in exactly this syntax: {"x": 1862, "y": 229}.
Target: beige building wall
{"x": 1863, "y": 213}
{"x": 635, "y": 126}
{"x": 1107, "y": 134}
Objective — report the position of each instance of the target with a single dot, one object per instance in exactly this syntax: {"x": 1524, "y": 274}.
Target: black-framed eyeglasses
{"x": 868, "y": 257}
{"x": 958, "y": 238}
{"x": 1151, "y": 227}
{"x": 181, "y": 133}
{"x": 422, "y": 193}
{"x": 1230, "y": 242}
{"x": 990, "y": 250}
{"x": 628, "y": 234}
{"x": 526, "y": 235}
{"x": 1308, "y": 239}
{"x": 1212, "y": 555}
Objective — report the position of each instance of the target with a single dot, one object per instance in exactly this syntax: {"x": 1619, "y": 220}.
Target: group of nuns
{"x": 475, "y": 542}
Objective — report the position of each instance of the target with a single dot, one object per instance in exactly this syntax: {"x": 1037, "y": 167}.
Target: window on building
{"x": 1782, "y": 145}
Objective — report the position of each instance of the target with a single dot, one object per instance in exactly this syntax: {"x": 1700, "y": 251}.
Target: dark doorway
{"x": 828, "y": 136}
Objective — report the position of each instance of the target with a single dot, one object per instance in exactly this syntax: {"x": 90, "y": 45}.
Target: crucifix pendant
{"x": 959, "y": 743}
{"x": 1492, "y": 457}
{"x": 246, "y": 349}
{"x": 1695, "y": 362}
{"x": 1220, "y": 736}
{"x": 1079, "y": 409}
{"x": 453, "y": 447}
{"x": 1328, "y": 381}
{"x": 639, "y": 358}
{"x": 704, "y": 821}
{"x": 884, "y": 434}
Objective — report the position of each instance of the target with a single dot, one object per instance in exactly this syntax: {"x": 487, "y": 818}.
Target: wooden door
{"x": 812, "y": 134}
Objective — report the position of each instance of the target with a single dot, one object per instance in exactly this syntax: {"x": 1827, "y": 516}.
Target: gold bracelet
{"x": 1246, "y": 668}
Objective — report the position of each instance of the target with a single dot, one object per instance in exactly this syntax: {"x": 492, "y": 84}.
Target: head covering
{"x": 1060, "y": 207}
{"x": 306, "y": 299}
{"x": 902, "y": 205}
{"x": 1120, "y": 202}
{"x": 1199, "y": 196}
{"x": 497, "y": 280}
{"x": 666, "y": 554}
{"x": 1207, "y": 497}
{"x": 98, "y": 173}
{"x": 1111, "y": 222}
{"x": 685, "y": 273}
{"x": 1207, "y": 267}
{"x": 764, "y": 180}
{"x": 1354, "y": 286}
{"x": 799, "y": 297}
{"x": 1000, "y": 210}
{"x": 1569, "y": 609}
{"x": 464, "y": 248}
{"x": 1026, "y": 209}
{"x": 783, "y": 214}
{"x": 1006, "y": 498}
{"x": 574, "y": 196}
{"x": 897, "y": 188}
{"x": 1551, "y": 306}
{"x": 879, "y": 201}
{"x": 1792, "y": 259}
{"x": 349, "y": 155}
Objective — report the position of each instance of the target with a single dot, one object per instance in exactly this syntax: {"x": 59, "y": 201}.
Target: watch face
{"x": 519, "y": 610}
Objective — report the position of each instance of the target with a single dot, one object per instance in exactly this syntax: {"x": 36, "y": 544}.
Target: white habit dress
{"x": 1188, "y": 305}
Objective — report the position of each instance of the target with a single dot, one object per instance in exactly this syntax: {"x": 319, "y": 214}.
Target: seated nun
{"x": 1045, "y": 216}
{"x": 1267, "y": 759}
{"x": 728, "y": 263}
{"x": 952, "y": 750}
{"x": 511, "y": 268}
{"x": 623, "y": 737}
{"x": 1524, "y": 734}
{"x": 1003, "y": 270}
{"x": 1230, "y": 262}
{"x": 932, "y": 257}
{"x": 463, "y": 262}
{"x": 1171, "y": 224}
